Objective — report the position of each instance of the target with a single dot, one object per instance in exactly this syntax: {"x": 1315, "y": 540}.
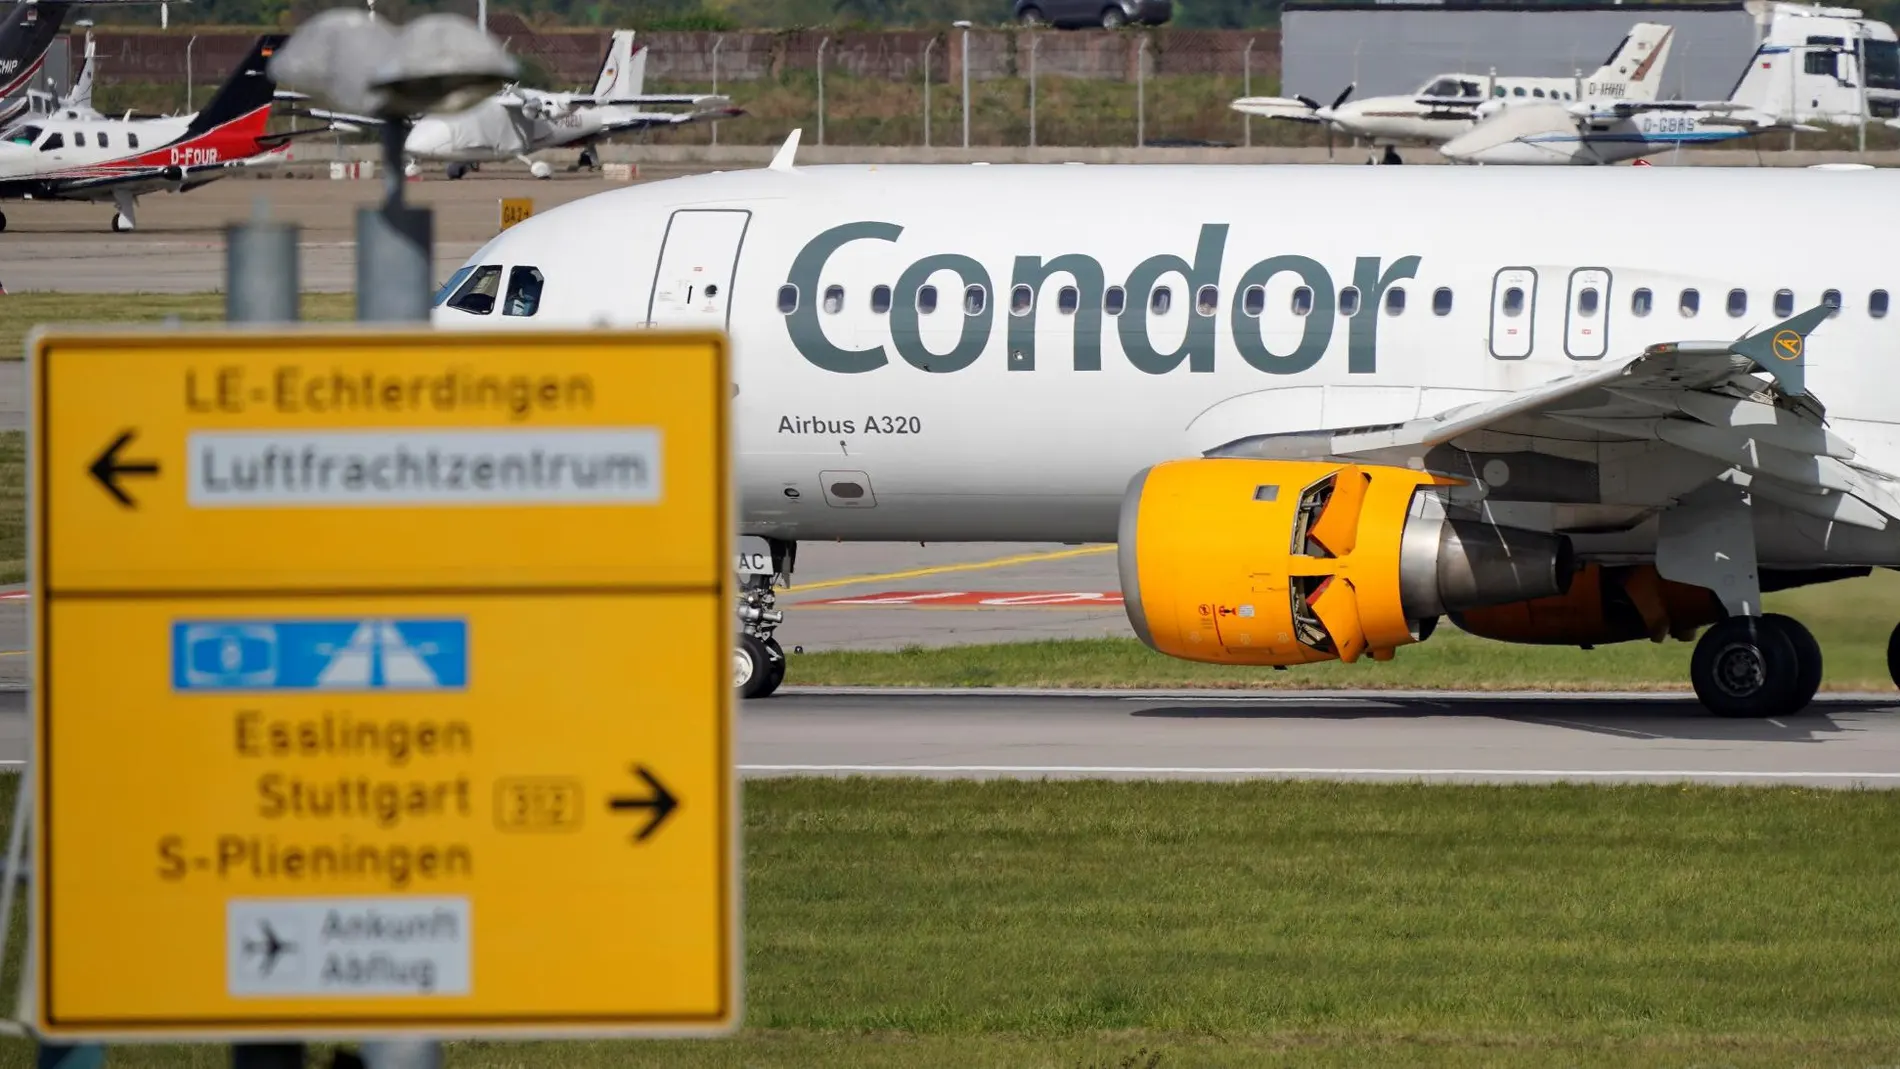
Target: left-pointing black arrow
{"x": 662, "y": 803}
{"x": 109, "y": 468}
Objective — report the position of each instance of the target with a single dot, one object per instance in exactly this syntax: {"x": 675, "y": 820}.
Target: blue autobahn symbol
{"x": 372, "y": 654}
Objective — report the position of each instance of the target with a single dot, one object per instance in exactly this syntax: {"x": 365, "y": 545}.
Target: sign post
{"x": 383, "y": 685}
{"x": 514, "y": 210}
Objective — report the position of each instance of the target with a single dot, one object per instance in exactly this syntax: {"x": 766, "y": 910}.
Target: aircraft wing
{"x": 339, "y": 120}
{"x": 648, "y": 120}
{"x": 1277, "y": 108}
{"x": 1708, "y": 400}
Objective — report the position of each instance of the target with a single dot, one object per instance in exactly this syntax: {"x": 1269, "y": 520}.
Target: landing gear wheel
{"x": 754, "y": 673}
{"x": 1114, "y": 18}
{"x": 119, "y": 223}
{"x": 1743, "y": 667}
{"x": 1893, "y": 655}
{"x": 1807, "y": 654}
{"x": 1031, "y": 16}
{"x": 589, "y": 161}
{"x": 1391, "y": 158}
{"x": 777, "y": 664}
{"x": 3, "y": 221}
{"x": 455, "y": 171}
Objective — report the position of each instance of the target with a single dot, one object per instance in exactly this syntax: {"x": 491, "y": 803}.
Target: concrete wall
{"x": 1397, "y": 48}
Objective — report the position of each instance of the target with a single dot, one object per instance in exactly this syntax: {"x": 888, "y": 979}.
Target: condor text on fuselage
{"x": 1087, "y": 297}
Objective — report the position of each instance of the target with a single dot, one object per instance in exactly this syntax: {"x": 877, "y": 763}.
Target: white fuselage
{"x": 974, "y": 422}
{"x": 55, "y": 144}
{"x": 487, "y": 131}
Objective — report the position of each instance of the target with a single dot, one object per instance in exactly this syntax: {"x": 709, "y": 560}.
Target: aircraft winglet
{"x": 782, "y": 159}
{"x": 1782, "y": 350}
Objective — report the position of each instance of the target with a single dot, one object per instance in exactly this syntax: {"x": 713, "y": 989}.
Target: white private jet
{"x": 1447, "y": 105}
{"x": 1595, "y": 132}
{"x": 518, "y": 121}
{"x": 1313, "y": 434}
{"x": 119, "y": 160}
{"x": 40, "y": 105}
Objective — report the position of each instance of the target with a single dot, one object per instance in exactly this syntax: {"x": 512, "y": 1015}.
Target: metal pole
{"x": 260, "y": 258}
{"x": 927, "y": 50}
{"x": 718, "y": 43}
{"x": 1246, "y": 90}
{"x": 188, "y": 44}
{"x": 261, "y": 286}
{"x": 1035, "y": 39}
{"x": 821, "y": 89}
{"x": 1860, "y": 79}
{"x": 481, "y": 14}
{"x": 393, "y": 243}
{"x": 1141, "y": 93}
{"x": 964, "y": 62}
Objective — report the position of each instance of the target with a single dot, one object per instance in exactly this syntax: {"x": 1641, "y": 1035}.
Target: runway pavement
{"x": 888, "y": 595}
{"x": 1461, "y": 738}
{"x": 68, "y": 247}
{"x": 1507, "y": 738}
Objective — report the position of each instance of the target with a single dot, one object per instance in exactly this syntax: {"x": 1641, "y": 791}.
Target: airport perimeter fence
{"x": 897, "y": 88}
{"x": 1044, "y": 87}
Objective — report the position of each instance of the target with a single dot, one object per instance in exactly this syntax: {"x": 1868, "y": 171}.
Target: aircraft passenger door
{"x": 1586, "y": 315}
{"x": 1513, "y": 310}
{"x": 692, "y": 283}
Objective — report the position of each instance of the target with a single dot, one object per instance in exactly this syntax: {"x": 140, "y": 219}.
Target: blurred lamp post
{"x": 964, "y": 62}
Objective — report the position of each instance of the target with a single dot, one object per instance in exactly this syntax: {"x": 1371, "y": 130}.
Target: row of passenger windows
{"x": 1253, "y": 301}
{"x": 1689, "y": 302}
{"x": 1022, "y": 300}
{"x": 55, "y": 140}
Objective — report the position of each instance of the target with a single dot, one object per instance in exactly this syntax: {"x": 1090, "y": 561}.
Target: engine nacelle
{"x": 1287, "y": 562}
{"x": 1603, "y": 605}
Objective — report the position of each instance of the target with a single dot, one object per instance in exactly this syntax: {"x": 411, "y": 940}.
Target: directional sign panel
{"x": 402, "y": 713}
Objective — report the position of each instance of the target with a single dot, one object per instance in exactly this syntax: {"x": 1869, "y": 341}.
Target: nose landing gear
{"x": 758, "y": 661}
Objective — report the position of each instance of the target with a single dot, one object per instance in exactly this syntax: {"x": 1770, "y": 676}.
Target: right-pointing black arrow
{"x": 662, "y": 803}
{"x": 107, "y": 468}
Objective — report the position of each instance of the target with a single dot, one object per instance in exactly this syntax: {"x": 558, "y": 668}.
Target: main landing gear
{"x": 1752, "y": 663}
{"x": 758, "y": 661}
{"x": 1757, "y": 666}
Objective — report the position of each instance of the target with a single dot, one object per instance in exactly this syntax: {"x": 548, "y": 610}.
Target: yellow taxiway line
{"x": 944, "y": 569}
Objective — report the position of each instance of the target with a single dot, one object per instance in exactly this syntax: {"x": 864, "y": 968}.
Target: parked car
{"x": 1074, "y": 14}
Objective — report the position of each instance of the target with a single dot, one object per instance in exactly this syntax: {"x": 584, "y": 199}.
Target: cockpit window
{"x": 477, "y": 295}
{"x": 53, "y": 141}
{"x": 1443, "y": 87}
{"x": 449, "y": 287}
{"x": 524, "y": 291}
{"x": 26, "y": 135}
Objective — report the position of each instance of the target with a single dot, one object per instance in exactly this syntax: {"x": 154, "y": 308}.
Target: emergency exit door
{"x": 692, "y": 283}
{"x": 1586, "y": 315}
{"x": 1513, "y": 313}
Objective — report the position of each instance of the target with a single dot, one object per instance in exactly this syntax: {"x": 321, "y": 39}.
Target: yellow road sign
{"x": 399, "y": 702}
{"x": 515, "y": 209}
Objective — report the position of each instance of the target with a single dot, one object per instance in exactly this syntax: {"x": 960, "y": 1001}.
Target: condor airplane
{"x": 1313, "y": 434}
{"x": 97, "y": 158}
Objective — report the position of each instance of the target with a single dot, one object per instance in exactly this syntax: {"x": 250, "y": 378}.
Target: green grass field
{"x": 21, "y": 312}
{"x": 913, "y": 923}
